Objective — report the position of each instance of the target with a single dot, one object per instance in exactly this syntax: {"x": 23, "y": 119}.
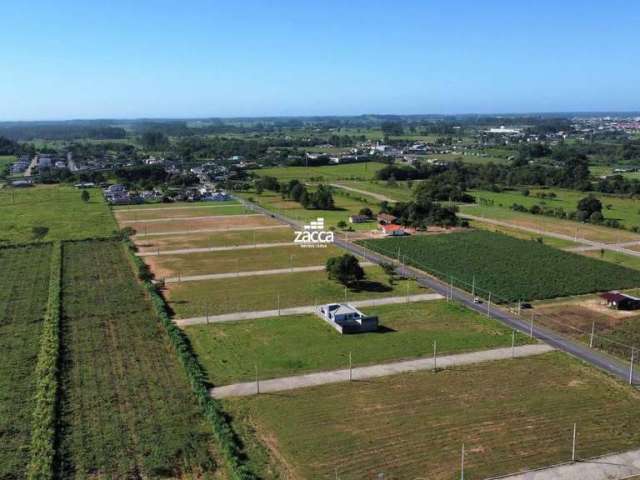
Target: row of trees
{"x": 321, "y": 198}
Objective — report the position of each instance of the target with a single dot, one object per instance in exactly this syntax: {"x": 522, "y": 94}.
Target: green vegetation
{"x": 173, "y": 205}
{"x": 618, "y": 258}
{"x": 5, "y": 162}
{"x": 267, "y": 292}
{"x": 23, "y": 300}
{"x": 524, "y": 235}
{"x": 362, "y": 171}
{"x": 511, "y": 415}
{"x": 291, "y": 345}
{"x": 510, "y": 268}
{"x": 396, "y": 191}
{"x": 126, "y": 404}
{"x": 58, "y": 209}
{"x": 181, "y": 212}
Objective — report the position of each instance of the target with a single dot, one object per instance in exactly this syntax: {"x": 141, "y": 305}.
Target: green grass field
{"x": 291, "y": 256}
{"x": 624, "y": 209}
{"x": 58, "y": 208}
{"x": 511, "y": 415}
{"x": 327, "y": 172}
{"x": 345, "y": 206}
{"x": 127, "y": 407}
{"x": 214, "y": 239}
{"x": 400, "y": 192}
{"x": 510, "y": 268}
{"x": 173, "y": 205}
{"x": 5, "y": 162}
{"x": 544, "y": 223}
{"x": 598, "y": 171}
{"x": 23, "y": 298}
{"x": 181, "y": 212}
{"x": 283, "y": 346}
{"x": 523, "y": 235}
{"x": 189, "y": 299}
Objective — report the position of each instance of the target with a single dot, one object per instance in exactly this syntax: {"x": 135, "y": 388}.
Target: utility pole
{"x": 573, "y": 446}
{"x": 473, "y": 287}
{"x": 489, "y": 306}
{"x": 435, "y": 356}
{"x": 631, "y": 366}
{"x": 531, "y": 325}
{"x": 593, "y": 332}
{"x": 278, "y": 297}
{"x": 462, "y": 463}
{"x": 257, "y": 381}
{"x": 513, "y": 344}
{"x": 350, "y": 368}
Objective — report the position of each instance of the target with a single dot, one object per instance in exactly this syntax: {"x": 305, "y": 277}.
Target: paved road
{"x": 377, "y": 196}
{"x": 190, "y": 219}
{"x": 208, "y": 230}
{"x": 252, "y": 315}
{"x": 182, "y": 251}
{"x": 609, "y": 467}
{"x": 593, "y": 245}
{"x": 374, "y": 371}
{"x": 254, "y": 273}
{"x": 578, "y": 350}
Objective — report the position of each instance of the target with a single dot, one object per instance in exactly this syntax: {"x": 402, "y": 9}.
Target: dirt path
{"x": 374, "y": 371}
{"x": 377, "y": 196}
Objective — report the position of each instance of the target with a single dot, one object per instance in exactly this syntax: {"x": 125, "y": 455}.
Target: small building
{"x": 346, "y": 318}
{"x": 392, "y": 230}
{"x": 358, "y": 219}
{"x": 386, "y": 218}
{"x": 620, "y": 301}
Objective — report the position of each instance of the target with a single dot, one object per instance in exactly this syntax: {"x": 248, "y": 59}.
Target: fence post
{"x": 489, "y": 306}
{"x": 513, "y": 344}
{"x": 531, "y": 325}
{"x": 278, "y": 299}
{"x": 435, "y": 356}
{"x": 593, "y": 332}
{"x": 206, "y": 312}
{"x": 631, "y": 366}
{"x": 350, "y": 368}
{"x": 257, "y": 381}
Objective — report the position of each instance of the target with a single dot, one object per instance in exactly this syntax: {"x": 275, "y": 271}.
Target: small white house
{"x": 346, "y": 318}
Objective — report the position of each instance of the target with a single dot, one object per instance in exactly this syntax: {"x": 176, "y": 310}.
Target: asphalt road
{"x": 578, "y": 350}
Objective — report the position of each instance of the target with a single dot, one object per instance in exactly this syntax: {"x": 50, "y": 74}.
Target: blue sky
{"x": 195, "y": 58}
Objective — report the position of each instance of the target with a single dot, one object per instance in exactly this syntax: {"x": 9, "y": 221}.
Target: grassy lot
{"x": 327, "y": 172}
{"x": 400, "y": 192}
{"x": 511, "y": 415}
{"x": 510, "y": 268}
{"x": 345, "y": 206}
{"x": 127, "y": 407}
{"x": 23, "y": 297}
{"x": 514, "y": 232}
{"x": 282, "y": 346}
{"x": 214, "y": 239}
{"x": 624, "y": 209}
{"x": 240, "y": 294}
{"x": 586, "y": 231}
{"x": 240, "y": 261}
{"x": 173, "y": 205}
{"x": 186, "y": 225}
{"x": 178, "y": 212}
{"x": 618, "y": 258}
{"x": 5, "y": 162}
{"x": 600, "y": 170}
{"x": 58, "y": 208}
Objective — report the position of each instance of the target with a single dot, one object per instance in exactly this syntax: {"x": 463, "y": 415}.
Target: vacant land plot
{"x": 215, "y": 239}
{"x": 328, "y": 172}
{"x": 23, "y": 298}
{"x": 59, "y": 211}
{"x": 209, "y": 223}
{"x": 523, "y": 235}
{"x": 127, "y": 216}
{"x": 543, "y": 223}
{"x": 167, "y": 206}
{"x": 283, "y": 346}
{"x": 398, "y": 191}
{"x": 127, "y": 406}
{"x": 510, "y": 268}
{"x": 618, "y": 258}
{"x": 269, "y": 292}
{"x": 345, "y": 206}
{"x": 233, "y": 261}
{"x": 623, "y": 209}
{"x": 510, "y": 415}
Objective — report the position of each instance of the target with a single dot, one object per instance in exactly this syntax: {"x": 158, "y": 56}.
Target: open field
{"x": 345, "y": 206}
{"x": 214, "y": 239}
{"x": 510, "y": 415}
{"x": 206, "y": 223}
{"x": 5, "y": 162}
{"x": 521, "y": 234}
{"x": 586, "y": 231}
{"x": 58, "y": 208}
{"x": 399, "y": 192}
{"x": 327, "y": 172}
{"x": 618, "y": 258}
{"x": 283, "y": 346}
{"x": 510, "y": 268}
{"x": 23, "y": 298}
{"x": 127, "y": 406}
{"x": 624, "y": 209}
{"x": 159, "y": 213}
{"x": 169, "y": 206}
{"x": 216, "y": 297}
{"x": 245, "y": 261}
{"x": 599, "y": 170}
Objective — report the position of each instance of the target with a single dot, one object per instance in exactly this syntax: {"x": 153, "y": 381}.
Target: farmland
{"x": 283, "y": 346}
{"x": 58, "y": 209}
{"x": 510, "y": 415}
{"x": 178, "y": 212}
{"x": 214, "y": 222}
{"x": 127, "y": 407}
{"x": 23, "y": 297}
{"x": 234, "y": 261}
{"x": 170, "y": 206}
{"x": 523, "y": 235}
{"x": 510, "y": 268}
{"x": 267, "y": 292}
{"x": 324, "y": 173}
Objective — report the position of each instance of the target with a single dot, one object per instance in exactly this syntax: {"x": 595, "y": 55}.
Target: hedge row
{"x": 43, "y": 430}
{"x": 227, "y": 440}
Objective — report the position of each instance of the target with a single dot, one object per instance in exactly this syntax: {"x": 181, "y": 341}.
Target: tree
{"x": 85, "y": 196}
{"x": 366, "y": 211}
{"x": 589, "y": 209}
{"x": 345, "y": 269}
{"x": 154, "y": 140}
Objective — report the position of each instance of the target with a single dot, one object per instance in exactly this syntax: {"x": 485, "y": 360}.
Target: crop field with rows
{"x": 127, "y": 407}
{"x": 23, "y": 298}
{"x": 510, "y": 268}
